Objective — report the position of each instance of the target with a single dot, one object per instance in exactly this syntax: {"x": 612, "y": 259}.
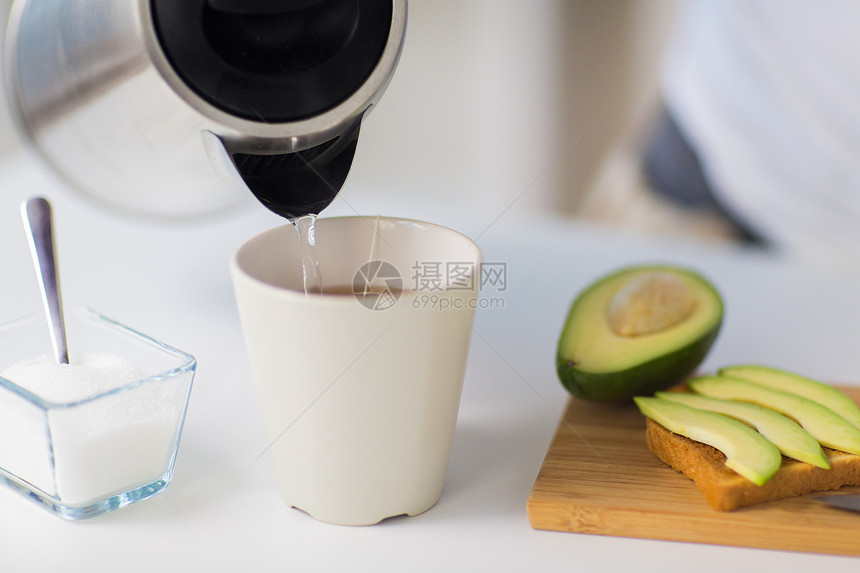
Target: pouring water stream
{"x": 305, "y": 226}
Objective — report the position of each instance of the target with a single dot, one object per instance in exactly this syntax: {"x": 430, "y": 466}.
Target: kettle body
{"x": 127, "y": 116}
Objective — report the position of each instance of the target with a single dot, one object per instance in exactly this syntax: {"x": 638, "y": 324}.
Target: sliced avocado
{"x": 808, "y": 388}
{"x": 830, "y": 429}
{"x": 789, "y": 438}
{"x": 638, "y": 330}
{"x": 747, "y": 452}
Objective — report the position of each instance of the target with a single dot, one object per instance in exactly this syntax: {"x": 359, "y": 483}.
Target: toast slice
{"x": 726, "y": 490}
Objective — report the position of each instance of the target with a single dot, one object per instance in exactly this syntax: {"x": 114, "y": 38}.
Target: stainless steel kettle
{"x": 179, "y": 107}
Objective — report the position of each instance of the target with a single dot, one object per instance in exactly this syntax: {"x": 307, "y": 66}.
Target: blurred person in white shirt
{"x": 760, "y": 127}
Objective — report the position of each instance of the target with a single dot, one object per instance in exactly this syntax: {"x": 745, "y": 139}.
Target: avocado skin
{"x": 648, "y": 377}
{"x": 643, "y": 379}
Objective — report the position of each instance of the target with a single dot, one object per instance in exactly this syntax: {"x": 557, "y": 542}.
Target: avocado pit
{"x": 650, "y": 302}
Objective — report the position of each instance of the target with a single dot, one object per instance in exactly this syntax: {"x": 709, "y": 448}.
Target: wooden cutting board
{"x": 599, "y": 477}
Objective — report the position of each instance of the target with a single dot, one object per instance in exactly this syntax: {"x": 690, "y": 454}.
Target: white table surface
{"x": 222, "y": 511}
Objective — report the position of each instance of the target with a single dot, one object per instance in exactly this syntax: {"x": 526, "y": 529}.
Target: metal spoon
{"x": 38, "y": 223}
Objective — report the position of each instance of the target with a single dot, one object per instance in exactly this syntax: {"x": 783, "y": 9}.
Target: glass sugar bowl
{"x": 95, "y": 435}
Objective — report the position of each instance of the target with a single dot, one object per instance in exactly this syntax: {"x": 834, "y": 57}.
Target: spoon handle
{"x": 38, "y": 223}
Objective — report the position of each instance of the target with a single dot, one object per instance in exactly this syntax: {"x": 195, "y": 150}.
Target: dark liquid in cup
{"x": 350, "y": 290}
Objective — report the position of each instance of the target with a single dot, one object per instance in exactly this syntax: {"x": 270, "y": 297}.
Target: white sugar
{"x": 87, "y": 375}
{"x": 86, "y": 451}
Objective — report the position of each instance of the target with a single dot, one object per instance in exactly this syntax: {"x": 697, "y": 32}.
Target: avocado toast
{"x": 726, "y": 489}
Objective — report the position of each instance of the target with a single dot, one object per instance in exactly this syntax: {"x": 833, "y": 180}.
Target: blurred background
{"x": 502, "y": 103}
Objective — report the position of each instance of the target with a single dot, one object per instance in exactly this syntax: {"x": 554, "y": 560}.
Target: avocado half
{"x": 636, "y": 331}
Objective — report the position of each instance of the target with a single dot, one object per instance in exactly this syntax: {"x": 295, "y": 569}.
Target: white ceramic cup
{"x": 359, "y": 403}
